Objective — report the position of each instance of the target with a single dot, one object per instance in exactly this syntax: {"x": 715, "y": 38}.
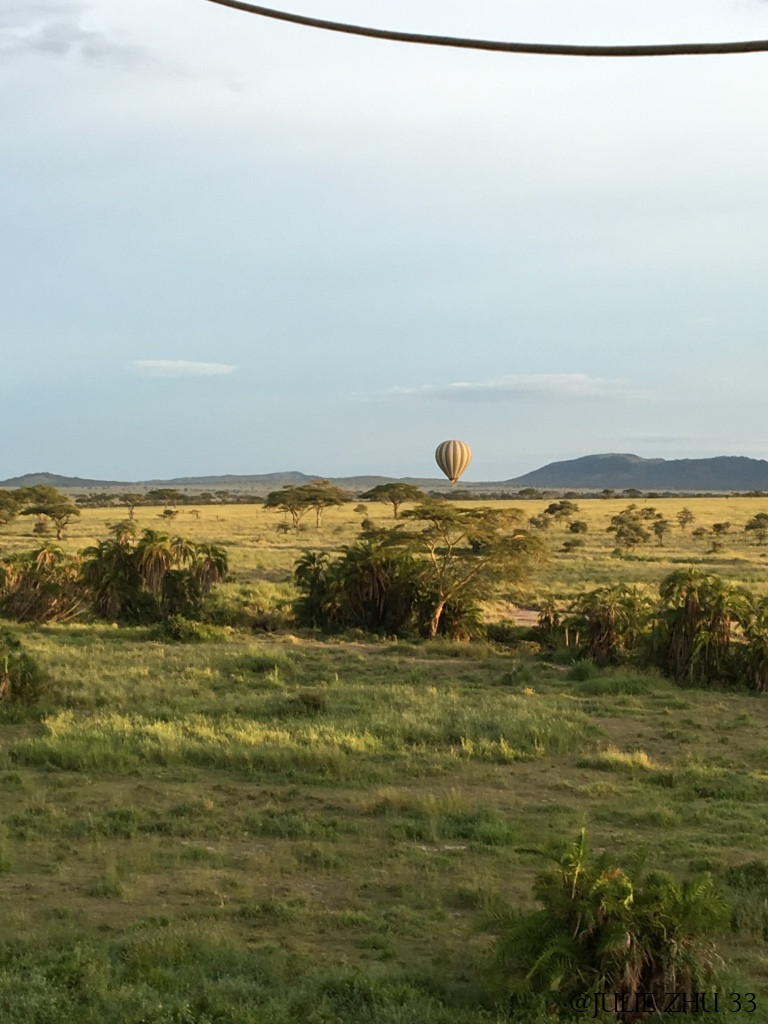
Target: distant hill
{"x": 54, "y": 480}
{"x": 591, "y": 473}
{"x": 260, "y": 483}
{"x": 723, "y": 473}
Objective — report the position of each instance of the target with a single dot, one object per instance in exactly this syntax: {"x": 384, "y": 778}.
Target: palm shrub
{"x": 156, "y": 577}
{"x": 371, "y": 586}
{"x": 180, "y": 594}
{"x": 752, "y": 656}
{"x": 40, "y": 586}
{"x": 549, "y": 624}
{"x": 603, "y": 928}
{"x": 697, "y": 626}
{"x": 311, "y": 575}
{"x": 110, "y": 572}
{"x": 609, "y": 622}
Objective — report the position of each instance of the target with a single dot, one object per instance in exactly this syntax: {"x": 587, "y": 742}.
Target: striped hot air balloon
{"x": 453, "y": 457}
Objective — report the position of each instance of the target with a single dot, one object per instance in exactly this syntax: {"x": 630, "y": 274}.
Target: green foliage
{"x": 158, "y": 576}
{"x": 22, "y": 680}
{"x": 608, "y": 623}
{"x": 758, "y": 525}
{"x": 372, "y": 586}
{"x": 630, "y": 526}
{"x": 751, "y": 657}
{"x": 428, "y": 581}
{"x": 464, "y": 553}
{"x": 296, "y": 501}
{"x": 178, "y": 629}
{"x": 605, "y": 928}
{"x": 395, "y": 494}
{"x": 694, "y": 639}
{"x": 40, "y": 586}
{"x": 48, "y": 503}
{"x": 9, "y": 506}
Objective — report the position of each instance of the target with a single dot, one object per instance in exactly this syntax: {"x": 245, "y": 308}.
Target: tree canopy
{"x": 395, "y": 494}
{"x": 296, "y": 501}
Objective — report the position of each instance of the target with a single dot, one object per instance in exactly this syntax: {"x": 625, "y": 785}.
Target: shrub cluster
{"x": 701, "y": 629}
{"x": 377, "y": 588}
{"x": 119, "y": 579}
{"x": 612, "y": 930}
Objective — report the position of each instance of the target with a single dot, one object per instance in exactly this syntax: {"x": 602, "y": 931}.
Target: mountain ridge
{"x": 608, "y": 470}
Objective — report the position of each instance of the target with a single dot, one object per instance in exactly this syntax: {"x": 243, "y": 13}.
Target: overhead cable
{"x": 550, "y": 49}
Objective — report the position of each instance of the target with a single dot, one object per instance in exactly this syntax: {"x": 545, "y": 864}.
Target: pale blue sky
{"x": 236, "y": 246}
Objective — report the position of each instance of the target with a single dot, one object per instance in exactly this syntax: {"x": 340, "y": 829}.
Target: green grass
{"x": 286, "y": 828}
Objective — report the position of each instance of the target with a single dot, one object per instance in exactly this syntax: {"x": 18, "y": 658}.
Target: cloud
{"x": 54, "y": 28}
{"x": 180, "y": 368}
{"x": 562, "y": 386}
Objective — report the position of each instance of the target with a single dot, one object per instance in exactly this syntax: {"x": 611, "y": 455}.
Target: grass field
{"x": 275, "y": 828}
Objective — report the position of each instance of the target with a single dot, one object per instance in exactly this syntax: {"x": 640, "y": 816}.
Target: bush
{"x": 177, "y": 629}
{"x": 21, "y": 678}
{"x": 608, "y": 929}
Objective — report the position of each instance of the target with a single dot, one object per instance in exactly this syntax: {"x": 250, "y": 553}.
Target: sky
{"x": 231, "y": 245}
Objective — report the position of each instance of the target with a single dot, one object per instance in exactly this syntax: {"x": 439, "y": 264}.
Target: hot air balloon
{"x": 453, "y": 457}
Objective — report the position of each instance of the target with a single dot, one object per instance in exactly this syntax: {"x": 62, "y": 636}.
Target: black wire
{"x": 552, "y": 49}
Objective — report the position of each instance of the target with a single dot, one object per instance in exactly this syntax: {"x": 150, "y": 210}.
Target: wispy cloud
{"x": 180, "y": 368}
{"x": 55, "y": 28}
{"x": 518, "y": 386}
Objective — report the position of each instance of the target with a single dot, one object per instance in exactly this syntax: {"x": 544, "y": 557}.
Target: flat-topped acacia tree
{"x": 59, "y": 510}
{"x": 395, "y": 494}
{"x": 296, "y": 501}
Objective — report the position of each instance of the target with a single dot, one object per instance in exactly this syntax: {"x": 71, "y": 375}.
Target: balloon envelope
{"x": 453, "y": 457}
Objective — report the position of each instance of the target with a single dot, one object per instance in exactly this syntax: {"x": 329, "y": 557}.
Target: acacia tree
{"x": 629, "y": 526}
{"x": 296, "y": 501}
{"x": 9, "y": 506}
{"x": 465, "y": 552}
{"x": 322, "y": 495}
{"x": 290, "y": 500}
{"x": 684, "y": 518}
{"x": 395, "y": 494}
{"x": 131, "y": 499}
{"x": 164, "y": 496}
{"x": 59, "y": 510}
{"x": 561, "y": 511}
{"x": 660, "y": 526}
{"x": 758, "y": 525}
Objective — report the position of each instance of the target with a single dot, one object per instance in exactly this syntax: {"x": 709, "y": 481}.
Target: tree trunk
{"x": 435, "y": 620}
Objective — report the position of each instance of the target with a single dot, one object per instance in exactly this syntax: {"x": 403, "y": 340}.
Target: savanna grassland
{"x": 277, "y": 826}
